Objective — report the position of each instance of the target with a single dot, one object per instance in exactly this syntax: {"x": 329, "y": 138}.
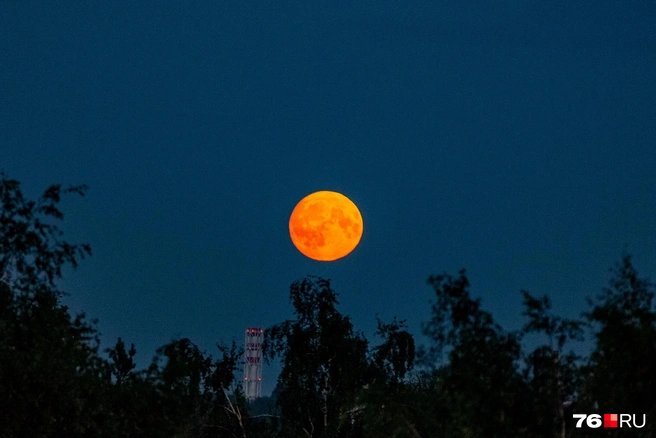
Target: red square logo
{"x": 610, "y": 420}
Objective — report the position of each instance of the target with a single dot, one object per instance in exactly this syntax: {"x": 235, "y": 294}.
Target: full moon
{"x": 325, "y": 226}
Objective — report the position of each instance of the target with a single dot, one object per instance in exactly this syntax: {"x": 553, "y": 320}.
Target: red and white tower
{"x": 253, "y": 363}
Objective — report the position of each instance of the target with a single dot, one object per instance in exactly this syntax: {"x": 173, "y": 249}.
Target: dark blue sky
{"x": 515, "y": 139}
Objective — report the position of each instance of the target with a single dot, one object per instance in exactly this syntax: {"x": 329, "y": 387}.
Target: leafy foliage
{"x": 49, "y": 368}
{"x": 552, "y": 374}
{"x": 481, "y": 380}
{"x": 54, "y": 383}
{"x": 475, "y": 379}
{"x": 323, "y": 360}
{"x": 620, "y": 375}
{"x": 31, "y": 250}
{"x": 396, "y": 355}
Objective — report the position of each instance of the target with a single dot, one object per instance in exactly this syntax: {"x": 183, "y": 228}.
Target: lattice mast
{"x": 253, "y": 363}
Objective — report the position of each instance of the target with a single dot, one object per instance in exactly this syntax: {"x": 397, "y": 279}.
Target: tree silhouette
{"x": 395, "y": 356}
{"x": 385, "y": 406}
{"x": 31, "y": 250}
{"x": 324, "y": 360}
{"x": 476, "y": 381}
{"x": 621, "y": 372}
{"x": 484, "y": 390}
{"x": 554, "y": 376}
{"x": 49, "y": 370}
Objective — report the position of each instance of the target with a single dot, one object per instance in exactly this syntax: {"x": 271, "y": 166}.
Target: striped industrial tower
{"x": 253, "y": 363}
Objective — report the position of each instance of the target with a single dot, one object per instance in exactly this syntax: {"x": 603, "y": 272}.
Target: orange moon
{"x": 325, "y": 226}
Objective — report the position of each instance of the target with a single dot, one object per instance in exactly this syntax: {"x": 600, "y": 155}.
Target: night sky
{"x": 514, "y": 139}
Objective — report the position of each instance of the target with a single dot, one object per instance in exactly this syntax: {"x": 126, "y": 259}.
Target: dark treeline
{"x": 474, "y": 379}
